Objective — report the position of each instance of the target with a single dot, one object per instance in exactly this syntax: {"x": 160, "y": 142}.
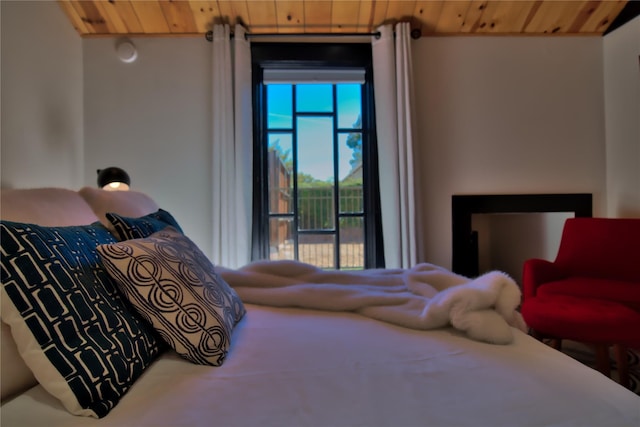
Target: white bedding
{"x": 295, "y": 367}
{"x": 423, "y": 297}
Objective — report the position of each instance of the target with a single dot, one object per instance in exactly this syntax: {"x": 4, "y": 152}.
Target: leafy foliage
{"x": 354, "y": 141}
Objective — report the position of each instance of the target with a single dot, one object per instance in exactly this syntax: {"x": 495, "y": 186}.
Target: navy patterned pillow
{"x": 72, "y": 326}
{"x": 138, "y": 228}
{"x": 172, "y": 283}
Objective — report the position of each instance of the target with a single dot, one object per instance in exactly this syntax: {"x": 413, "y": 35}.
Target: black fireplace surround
{"x": 465, "y": 240}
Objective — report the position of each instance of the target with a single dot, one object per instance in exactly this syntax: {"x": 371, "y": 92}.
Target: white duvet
{"x": 423, "y": 297}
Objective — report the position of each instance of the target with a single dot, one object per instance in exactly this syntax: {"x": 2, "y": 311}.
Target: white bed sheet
{"x": 293, "y": 367}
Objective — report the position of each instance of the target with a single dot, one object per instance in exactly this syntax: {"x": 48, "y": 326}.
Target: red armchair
{"x": 591, "y": 292}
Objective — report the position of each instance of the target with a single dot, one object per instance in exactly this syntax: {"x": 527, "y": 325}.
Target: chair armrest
{"x": 536, "y": 272}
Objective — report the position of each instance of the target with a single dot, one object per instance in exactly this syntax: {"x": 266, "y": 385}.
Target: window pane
{"x": 317, "y": 249}
{"x": 315, "y": 173}
{"x": 350, "y": 157}
{"x": 351, "y": 243}
{"x": 350, "y": 171}
{"x": 280, "y": 164}
{"x": 349, "y": 106}
{"x": 314, "y": 98}
{"x": 315, "y": 149}
{"x": 281, "y": 238}
{"x": 351, "y": 200}
{"x": 279, "y": 106}
{"x": 315, "y": 208}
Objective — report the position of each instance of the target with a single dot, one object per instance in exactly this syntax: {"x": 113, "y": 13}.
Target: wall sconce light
{"x": 113, "y": 179}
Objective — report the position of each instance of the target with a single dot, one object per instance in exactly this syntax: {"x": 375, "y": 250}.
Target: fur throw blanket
{"x": 423, "y": 297}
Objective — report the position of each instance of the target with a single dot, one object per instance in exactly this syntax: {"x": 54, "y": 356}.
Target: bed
{"x": 310, "y": 362}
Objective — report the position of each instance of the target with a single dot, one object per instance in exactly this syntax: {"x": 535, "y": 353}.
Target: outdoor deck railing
{"x": 316, "y": 213}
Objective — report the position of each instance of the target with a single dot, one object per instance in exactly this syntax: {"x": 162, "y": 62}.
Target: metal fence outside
{"x": 316, "y": 212}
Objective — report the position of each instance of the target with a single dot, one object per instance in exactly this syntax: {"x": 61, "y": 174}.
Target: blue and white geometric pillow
{"x": 72, "y": 326}
{"x": 174, "y": 285}
{"x": 137, "y": 228}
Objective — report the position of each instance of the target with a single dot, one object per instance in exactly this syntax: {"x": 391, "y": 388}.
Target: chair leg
{"x": 623, "y": 365}
{"x": 602, "y": 359}
{"x": 556, "y": 343}
{"x": 535, "y": 334}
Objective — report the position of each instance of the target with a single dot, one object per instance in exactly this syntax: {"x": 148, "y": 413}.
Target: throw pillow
{"x": 137, "y": 228}
{"x": 172, "y": 283}
{"x": 71, "y": 325}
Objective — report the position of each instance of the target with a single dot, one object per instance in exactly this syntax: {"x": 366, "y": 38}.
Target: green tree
{"x": 354, "y": 141}
{"x": 306, "y": 180}
{"x": 284, "y": 155}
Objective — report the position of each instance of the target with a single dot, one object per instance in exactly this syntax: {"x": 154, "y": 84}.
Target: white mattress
{"x": 292, "y": 367}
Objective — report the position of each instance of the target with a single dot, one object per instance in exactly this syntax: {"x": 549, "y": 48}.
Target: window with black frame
{"x": 316, "y": 169}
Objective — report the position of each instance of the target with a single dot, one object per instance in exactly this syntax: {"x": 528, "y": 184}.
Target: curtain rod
{"x": 415, "y": 34}
{"x": 209, "y": 35}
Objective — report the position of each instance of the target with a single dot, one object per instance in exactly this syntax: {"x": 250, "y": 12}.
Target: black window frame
{"x": 315, "y": 55}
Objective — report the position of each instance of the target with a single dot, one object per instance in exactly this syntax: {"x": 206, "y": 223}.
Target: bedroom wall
{"x": 152, "y": 118}
{"x": 506, "y": 115}
{"x": 41, "y": 86}
{"x": 495, "y": 115}
{"x": 622, "y": 118}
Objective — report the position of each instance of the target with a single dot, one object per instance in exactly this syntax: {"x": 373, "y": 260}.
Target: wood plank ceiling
{"x": 431, "y": 17}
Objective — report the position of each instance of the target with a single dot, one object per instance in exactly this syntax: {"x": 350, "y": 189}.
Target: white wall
{"x": 622, "y": 112}
{"x": 506, "y": 115}
{"x": 496, "y": 115}
{"x": 152, "y": 117}
{"x": 42, "y": 117}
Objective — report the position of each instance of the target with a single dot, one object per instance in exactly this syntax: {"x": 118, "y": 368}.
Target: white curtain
{"x": 393, "y": 87}
{"x": 232, "y": 147}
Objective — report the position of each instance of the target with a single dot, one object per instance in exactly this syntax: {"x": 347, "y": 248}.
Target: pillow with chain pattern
{"x": 171, "y": 282}
{"x": 137, "y": 228}
{"x": 74, "y": 330}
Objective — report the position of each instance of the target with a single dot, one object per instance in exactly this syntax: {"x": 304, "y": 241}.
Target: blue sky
{"x": 315, "y": 155}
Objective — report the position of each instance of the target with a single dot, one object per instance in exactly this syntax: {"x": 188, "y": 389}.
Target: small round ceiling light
{"x": 126, "y": 51}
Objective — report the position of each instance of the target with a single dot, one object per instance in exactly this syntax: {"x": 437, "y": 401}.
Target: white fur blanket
{"x": 423, "y": 297}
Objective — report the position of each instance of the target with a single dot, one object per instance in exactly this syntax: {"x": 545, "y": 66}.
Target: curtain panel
{"x": 393, "y": 89}
{"x": 231, "y": 147}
